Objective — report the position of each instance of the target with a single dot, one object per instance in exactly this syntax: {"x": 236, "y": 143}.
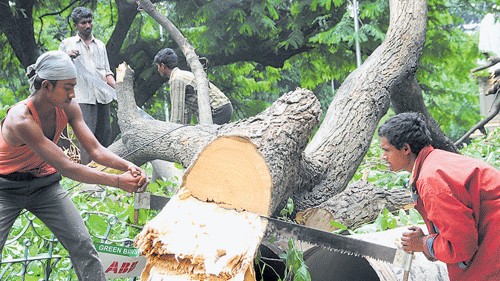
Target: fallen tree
{"x": 315, "y": 173}
{"x": 249, "y": 166}
{"x": 330, "y": 159}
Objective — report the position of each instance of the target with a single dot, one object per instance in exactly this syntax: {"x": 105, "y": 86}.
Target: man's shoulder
{"x": 19, "y": 109}
{"x": 72, "y": 109}
{"x": 178, "y": 73}
{"x": 18, "y": 115}
{"x": 70, "y": 39}
{"x": 95, "y": 40}
{"x": 98, "y": 42}
{"x": 440, "y": 155}
{"x": 68, "y": 43}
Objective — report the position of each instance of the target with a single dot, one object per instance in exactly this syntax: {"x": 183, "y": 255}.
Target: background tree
{"x": 266, "y": 48}
{"x": 273, "y": 47}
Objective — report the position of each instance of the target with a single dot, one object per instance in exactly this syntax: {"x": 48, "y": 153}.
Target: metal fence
{"x": 33, "y": 253}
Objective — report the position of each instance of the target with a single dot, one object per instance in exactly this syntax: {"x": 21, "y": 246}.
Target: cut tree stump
{"x": 212, "y": 229}
{"x": 231, "y": 172}
{"x": 195, "y": 240}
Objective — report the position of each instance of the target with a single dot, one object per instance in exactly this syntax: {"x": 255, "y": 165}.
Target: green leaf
{"x": 301, "y": 273}
{"x": 246, "y": 29}
{"x": 415, "y": 217}
{"x": 403, "y": 217}
{"x": 385, "y": 220}
{"x": 288, "y": 209}
{"x": 338, "y": 225}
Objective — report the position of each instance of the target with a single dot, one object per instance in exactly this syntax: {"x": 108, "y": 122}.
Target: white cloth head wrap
{"x": 52, "y": 65}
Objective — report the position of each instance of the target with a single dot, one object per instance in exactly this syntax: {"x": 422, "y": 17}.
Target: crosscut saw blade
{"x": 100, "y": 85}
{"x": 338, "y": 243}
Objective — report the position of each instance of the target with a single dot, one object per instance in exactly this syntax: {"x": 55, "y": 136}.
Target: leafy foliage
{"x": 295, "y": 263}
{"x": 318, "y": 34}
{"x": 486, "y": 148}
{"x": 12, "y": 88}
{"x": 108, "y": 214}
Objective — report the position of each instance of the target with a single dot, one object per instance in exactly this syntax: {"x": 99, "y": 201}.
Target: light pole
{"x": 356, "y": 30}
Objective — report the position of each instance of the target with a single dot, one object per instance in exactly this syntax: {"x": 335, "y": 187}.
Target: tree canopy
{"x": 256, "y": 50}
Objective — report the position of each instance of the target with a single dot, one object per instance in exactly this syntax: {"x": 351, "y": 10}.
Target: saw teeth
{"x": 274, "y": 234}
{"x": 334, "y": 242}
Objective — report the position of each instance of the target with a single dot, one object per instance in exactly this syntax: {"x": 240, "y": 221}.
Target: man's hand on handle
{"x": 413, "y": 241}
{"x": 134, "y": 180}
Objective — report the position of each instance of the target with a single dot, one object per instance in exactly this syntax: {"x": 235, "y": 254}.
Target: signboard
{"x": 120, "y": 262}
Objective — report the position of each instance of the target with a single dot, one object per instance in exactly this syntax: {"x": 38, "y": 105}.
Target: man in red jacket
{"x": 457, "y": 196}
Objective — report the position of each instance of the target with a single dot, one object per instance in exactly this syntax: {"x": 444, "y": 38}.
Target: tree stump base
{"x": 195, "y": 240}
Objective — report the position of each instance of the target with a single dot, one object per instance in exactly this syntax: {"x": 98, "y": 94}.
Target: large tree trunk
{"x": 276, "y": 139}
{"x": 337, "y": 149}
{"x": 18, "y": 27}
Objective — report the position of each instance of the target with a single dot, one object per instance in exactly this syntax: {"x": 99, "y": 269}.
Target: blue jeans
{"x": 45, "y": 198}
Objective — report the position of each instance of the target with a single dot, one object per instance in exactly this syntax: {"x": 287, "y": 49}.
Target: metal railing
{"x": 33, "y": 252}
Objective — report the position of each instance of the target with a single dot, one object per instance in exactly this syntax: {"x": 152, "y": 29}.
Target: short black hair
{"x": 168, "y": 57}
{"x": 80, "y": 13}
{"x": 407, "y": 127}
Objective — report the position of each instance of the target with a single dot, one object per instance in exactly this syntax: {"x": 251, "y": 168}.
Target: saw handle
{"x": 406, "y": 275}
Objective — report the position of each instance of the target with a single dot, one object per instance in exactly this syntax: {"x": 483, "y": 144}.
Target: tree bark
{"x": 358, "y": 203}
{"x": 18, "y": 27}
{"x": 360, "y": 103}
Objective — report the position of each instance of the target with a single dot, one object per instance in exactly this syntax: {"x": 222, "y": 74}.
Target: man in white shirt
{"x": 90, "y": 53}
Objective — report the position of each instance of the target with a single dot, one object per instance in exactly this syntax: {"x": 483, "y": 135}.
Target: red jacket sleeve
{"x": 457, "y": 239}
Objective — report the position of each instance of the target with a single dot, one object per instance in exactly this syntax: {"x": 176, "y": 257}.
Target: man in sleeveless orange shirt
{"x": 31, "y": 164}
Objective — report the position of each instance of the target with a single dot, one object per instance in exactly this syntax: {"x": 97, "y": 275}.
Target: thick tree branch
{"x": 204, "y": 111}
{"x": 360, "y": 103}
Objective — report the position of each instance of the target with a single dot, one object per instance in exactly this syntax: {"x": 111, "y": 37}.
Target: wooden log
{"x": 195, "y": 240}
{"x": 242, "y": 173}
{"x": 231, "y": 172}
{"x": 193, "y": 234}
{"x": 359, "y": 203}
